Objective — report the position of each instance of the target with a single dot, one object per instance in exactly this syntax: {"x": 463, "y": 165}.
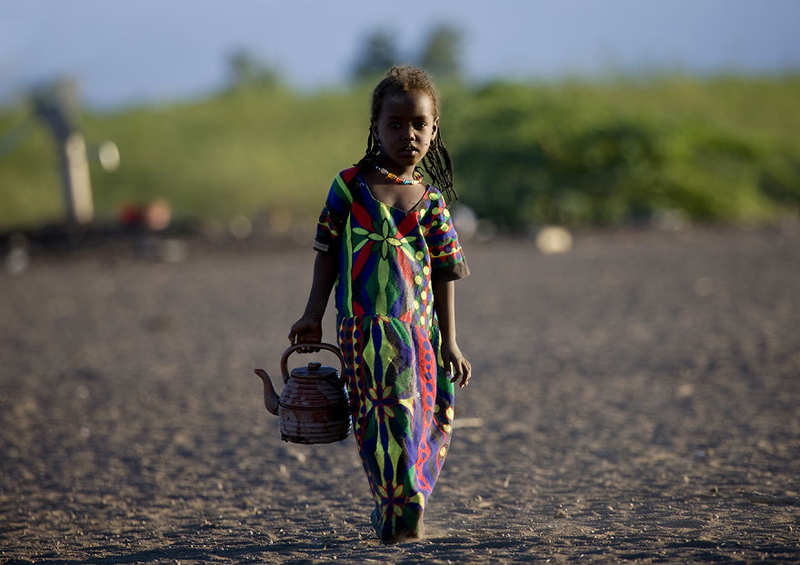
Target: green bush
{"x": 550, "y": 154}
{"x": 574, "y": 153}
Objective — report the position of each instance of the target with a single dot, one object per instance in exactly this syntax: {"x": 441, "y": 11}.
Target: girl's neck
{"x": 394, "y": 168}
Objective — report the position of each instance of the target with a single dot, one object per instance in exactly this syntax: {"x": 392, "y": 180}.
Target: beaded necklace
{"x": 399, "y": 180}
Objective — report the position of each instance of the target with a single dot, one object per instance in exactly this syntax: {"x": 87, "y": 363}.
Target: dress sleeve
{"x": 447, "y": 259}
{"x": 333, "y": 218}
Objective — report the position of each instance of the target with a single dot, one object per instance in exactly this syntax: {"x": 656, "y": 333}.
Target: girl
{"x": 388, "y": 239}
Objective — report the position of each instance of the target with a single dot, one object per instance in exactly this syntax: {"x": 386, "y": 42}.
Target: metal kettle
{"x": 314, "y": 407}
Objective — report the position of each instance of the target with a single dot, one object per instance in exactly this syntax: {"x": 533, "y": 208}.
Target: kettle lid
{"x": 314, "y": 370}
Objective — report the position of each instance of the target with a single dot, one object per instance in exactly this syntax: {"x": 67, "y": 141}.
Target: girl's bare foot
{"x": 405, "y": 535}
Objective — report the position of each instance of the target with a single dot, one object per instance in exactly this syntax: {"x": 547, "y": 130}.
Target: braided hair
{"x": 436, "y": 163}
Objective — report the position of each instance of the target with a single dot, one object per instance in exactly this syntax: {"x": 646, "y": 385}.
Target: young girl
{"x": 386, "y": 238}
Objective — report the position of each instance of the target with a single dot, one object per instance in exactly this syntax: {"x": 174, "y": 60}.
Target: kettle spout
{"x": 270, "y": 397}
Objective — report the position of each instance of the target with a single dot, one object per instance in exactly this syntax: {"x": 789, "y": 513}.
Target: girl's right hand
{"x": 306, "y": 330}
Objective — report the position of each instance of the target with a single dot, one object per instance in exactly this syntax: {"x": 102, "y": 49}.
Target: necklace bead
{"x": 399, "y": 180}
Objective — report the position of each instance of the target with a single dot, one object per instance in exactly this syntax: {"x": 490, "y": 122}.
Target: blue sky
{"x": 143, "y": 51}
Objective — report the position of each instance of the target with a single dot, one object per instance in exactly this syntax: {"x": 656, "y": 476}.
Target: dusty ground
{"x": 636, "y": 400}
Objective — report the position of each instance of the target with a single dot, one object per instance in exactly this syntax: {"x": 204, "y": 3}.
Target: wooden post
{"x": 73, "y": 164}
{"x": 75, "y": 179}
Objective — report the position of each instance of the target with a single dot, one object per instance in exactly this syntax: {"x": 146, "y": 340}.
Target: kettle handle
{"x": 332, "y": 348}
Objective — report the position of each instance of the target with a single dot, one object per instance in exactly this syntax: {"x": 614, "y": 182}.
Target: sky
{"x": 135, "y": 52}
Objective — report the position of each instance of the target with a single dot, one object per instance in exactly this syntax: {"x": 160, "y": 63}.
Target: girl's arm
{"x": 444, "y": 301}
{"x": 308, "y": 329}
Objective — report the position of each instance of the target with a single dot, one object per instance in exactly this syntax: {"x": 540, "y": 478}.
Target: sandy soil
{"x": 635, "y": 400}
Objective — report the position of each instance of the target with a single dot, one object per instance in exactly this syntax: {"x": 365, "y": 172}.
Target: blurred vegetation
{"x": 570, "y": 152}
{"x": 580, "y": 153}
{"x": 440, "y": 55}
{"x": 377, "y": 54}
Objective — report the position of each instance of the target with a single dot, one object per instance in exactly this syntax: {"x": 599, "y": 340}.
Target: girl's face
{"x": 405, "y": 127}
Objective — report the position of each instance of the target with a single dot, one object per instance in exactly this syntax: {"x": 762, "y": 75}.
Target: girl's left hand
{"x": 456, "y": 365}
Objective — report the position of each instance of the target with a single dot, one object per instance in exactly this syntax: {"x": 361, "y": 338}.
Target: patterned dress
{"x": 401, "y": 402}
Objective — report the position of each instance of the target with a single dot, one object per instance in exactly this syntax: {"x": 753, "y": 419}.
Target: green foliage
{"x": 576, "y": 153}
{"x": 442, "y": 53}
{"x": 604, "y": 154}
{"x": 378, "y": 54}
{"x": 30, "y": 192}
{"x": 246, "y": 151}
{"x": 246, "y": 71}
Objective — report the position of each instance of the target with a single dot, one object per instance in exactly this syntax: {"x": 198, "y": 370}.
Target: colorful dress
{"x": 401, "y": 402}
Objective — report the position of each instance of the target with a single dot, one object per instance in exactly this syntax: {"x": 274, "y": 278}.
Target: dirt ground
{"x": 636, "y": 399}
